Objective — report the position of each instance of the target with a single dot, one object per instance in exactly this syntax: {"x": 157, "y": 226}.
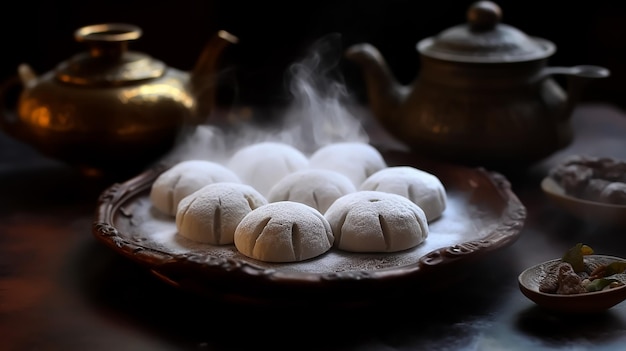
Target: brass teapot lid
{"x": 108, "y": 62}
{"x": 483, "y": 39}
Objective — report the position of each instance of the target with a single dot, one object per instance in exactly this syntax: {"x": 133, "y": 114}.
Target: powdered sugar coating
{"x": 423, "y": 188}
{"x": 184, "y": 178}
{"x": 375, "y": 221}
{"x": 356, "y": 160}
{"x": 211, "y": 214}
{"x": 318, "y": 188}
{"x": 284, "y": 231}
{"x": 262, "y": 165}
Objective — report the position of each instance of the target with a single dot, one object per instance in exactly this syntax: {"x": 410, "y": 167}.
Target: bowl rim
{"x": 526, "y": 272}
{"x": 550, "y": 186}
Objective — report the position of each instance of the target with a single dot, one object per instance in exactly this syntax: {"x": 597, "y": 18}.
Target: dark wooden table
{"x": 62, "y": 290}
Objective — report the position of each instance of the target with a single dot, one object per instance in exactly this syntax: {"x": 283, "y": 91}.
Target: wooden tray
{"x": 483, "y": 215}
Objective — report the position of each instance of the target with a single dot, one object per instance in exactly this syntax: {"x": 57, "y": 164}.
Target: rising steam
{"x": 318, "y": 113}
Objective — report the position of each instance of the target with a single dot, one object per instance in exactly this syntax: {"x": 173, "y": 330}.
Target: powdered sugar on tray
{"x": 149, "y": 228}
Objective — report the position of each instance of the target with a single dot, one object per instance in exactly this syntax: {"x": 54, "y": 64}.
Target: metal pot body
{"x": 481, "y": 112}
{"x": 100, "y": 127}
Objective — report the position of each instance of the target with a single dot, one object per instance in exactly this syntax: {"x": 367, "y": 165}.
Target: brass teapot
{"x": 110, "y": 107}
{"x": 484, "y": 95}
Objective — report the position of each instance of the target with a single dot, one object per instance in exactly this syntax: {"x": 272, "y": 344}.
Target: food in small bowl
{"x": 590, "y": 188}
{"x": 599, "y": 179}
{"x": 578, "y": 282}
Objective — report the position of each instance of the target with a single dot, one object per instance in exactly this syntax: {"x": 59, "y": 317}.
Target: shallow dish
{"x": 584, "y": 209}
{"x": 592, "y": 302}
{"x": 483, "y": 215}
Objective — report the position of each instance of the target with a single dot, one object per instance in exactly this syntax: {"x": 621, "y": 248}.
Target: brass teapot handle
{"x": 8, "y": 119}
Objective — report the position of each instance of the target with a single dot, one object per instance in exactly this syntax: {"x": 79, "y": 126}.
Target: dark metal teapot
{"x": 484, "y": 94}
{"x": 109, "y": 107}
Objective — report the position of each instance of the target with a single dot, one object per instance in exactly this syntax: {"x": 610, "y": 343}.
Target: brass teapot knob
{"x": 108, "y": 39}
{"x": 483, "y": 15}
{"x": 108, "y": 61}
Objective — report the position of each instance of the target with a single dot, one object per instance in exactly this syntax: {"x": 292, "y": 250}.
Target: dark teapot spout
{"x": 203, "y": 77}
{"x": 384, "y": 93}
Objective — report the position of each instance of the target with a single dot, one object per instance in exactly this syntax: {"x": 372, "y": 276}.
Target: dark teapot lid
{"x": 108, "y": 61}
{"x": 483, "y": 39}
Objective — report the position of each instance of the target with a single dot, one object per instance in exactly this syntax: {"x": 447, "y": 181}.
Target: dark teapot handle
{"x": 582, "y": 71}
{"x": 578, "y": 77}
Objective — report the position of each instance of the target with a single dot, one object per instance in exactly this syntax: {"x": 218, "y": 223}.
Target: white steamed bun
{"x": 262, "y": 165}
{"x": 423, "y": 188}
{"x": 284, "y": 231}
{"x": 375, "y": 221}
{"x": 184, "y": 178}
{"x": 211, "y": 214}
{"x": 356, "y": 160}
{"x": 318, "y": 188}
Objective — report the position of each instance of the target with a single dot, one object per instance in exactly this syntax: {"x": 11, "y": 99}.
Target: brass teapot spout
{"x": 110, "y": 107}
{"x": 203, "y": 76}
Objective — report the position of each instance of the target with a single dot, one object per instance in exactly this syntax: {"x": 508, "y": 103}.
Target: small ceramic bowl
{"x": 584, "y": 209}
{"x": 592, "y": 302}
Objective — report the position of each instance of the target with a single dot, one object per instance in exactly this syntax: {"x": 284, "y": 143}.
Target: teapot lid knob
{"x": 484, "y": 39}
{"x": 108, "y": 62}
{"x": 107, "y": 38}
{"x": 483, "y": 15}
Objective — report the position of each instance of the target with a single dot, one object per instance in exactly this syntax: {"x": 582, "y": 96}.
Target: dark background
{"x": 273, "y": 35}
